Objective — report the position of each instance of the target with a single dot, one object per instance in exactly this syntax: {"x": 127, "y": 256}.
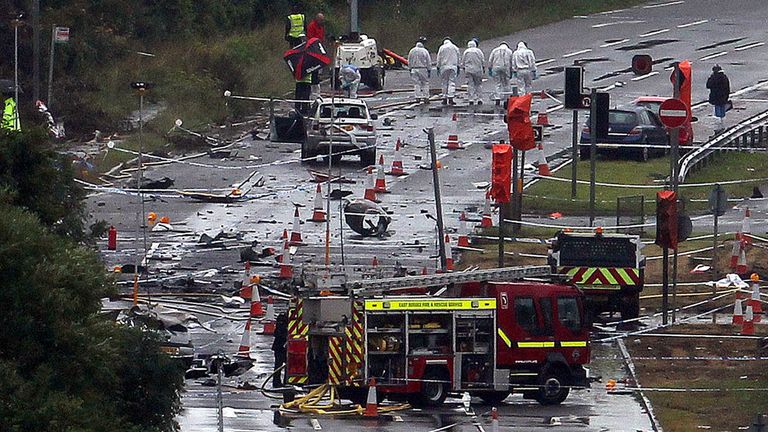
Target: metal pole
{"x": 665, "y": 285}
{"x": 520, "y": 182}
{"x": 50, "y": 68}
{"x": 35, "y": 50}
{"x": 675, "y": 151}
{"x": 501, "y": 235}
{"x": 592, "y": 153}
{"x": 713, "y": 267}
{"x": 328, "y": 197}
{"x": 16, "y": 66}
{"x": 219, "y": 396}
{"x": 354, "y": 23}
{"x": 438, "y": 202}
{"x": 515, "y": 176}
{"x": 574, "y": 151}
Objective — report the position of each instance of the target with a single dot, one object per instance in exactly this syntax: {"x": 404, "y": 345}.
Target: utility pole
{"x": 438, "y": 201}
{"x": 592, "y": 153}
{"x": 674, "y": 137}
{"x": 574, "y": 151}
{"x": 219, "y": 397}
{"x": 16, "y": 23}
{"x": 35, "y": 50}
{"x": 354, "y": 21}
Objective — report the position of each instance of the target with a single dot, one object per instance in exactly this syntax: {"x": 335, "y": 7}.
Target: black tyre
{"x": 584, "y": 152}
{"x": 553, "y": 386}
{"x": 305, "y": 153}
{"x": 493, "y": 398}
{"x": 630, "y": 306}
{"x": 434, "y": 390}
{"x": 368, "y": 157}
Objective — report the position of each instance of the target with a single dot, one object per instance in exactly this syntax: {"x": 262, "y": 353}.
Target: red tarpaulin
{"x": 306, "y": 58}
{"x": 501, "y": 175}
{"x": 519, "y": 122}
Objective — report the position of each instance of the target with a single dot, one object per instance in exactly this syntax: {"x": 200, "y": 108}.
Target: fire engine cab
{"x": 492, "y": 338}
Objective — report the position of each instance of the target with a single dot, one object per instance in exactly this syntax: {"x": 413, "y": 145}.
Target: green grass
{"x": 548, "y": 196}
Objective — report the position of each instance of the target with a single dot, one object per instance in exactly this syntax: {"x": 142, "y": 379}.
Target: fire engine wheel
{"x": 493, "y": 398}
{"x": 553, "y": 387}
{"x": 434, "y": 390}
{"x": 630, "y": 307}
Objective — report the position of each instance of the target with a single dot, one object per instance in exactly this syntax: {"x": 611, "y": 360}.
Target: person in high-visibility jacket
{"x": 10, "y": 113}
{"x": 295, "y": 25}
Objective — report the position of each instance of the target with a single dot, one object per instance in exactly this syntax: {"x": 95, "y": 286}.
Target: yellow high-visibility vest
{"x": 297, "y": 25}
{"x": 10, "y": 116}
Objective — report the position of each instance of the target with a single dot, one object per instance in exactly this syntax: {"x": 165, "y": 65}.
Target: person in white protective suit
{"x": 499, "y": 68}
{"x": 524, "y": 66}
{"x": 419, "y": 63}
{"x": 448, "y": 68}
{"x": 350, "y": 80}
{"x": 473, "y": 63}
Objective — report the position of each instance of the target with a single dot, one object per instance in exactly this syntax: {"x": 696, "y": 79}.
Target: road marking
{"x": 617, "y": 23}
{"x": 611, "y": 12}
{"x": 642, "y": 77}
{"x": 748, "y": 46}
{"x": 610, "y": 44}
{"x": 575, "y": 53}
{"x": 658, "y": 5}
{"x": 654, "y": 33}
{"x": 711, "y": 56}
{"x": 543, "y": 62}
{"x": 691, "y": 24}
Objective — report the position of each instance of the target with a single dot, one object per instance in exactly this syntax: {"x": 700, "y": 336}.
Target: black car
{"x": 631, "y": 131}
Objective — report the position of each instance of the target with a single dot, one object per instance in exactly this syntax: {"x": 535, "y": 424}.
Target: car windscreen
{"x": 343, "y": 111}
{"x": 622, "y": 118}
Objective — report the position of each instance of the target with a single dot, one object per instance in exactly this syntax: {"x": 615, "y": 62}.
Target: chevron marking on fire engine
{"x": 335, "y": 356}
{"x": 504, "y": 337}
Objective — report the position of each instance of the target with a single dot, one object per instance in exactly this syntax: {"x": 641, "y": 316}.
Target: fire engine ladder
{"x": 379, "y": 286}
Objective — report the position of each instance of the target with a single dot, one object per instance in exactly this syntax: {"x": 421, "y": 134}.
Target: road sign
{"x": 538, "y": 133}
{"x": 718, "y": 200}
{"x": 673, "y": 113}
{"x": 61, "y": 35}
{"x": 586, "y": 101}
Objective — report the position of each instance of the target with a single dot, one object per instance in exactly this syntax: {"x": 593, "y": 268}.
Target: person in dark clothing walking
{"x": 279, "y": 347}
{"x": 719, "y": 91}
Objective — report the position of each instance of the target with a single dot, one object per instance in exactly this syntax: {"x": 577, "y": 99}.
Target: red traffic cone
{"x": 370, "y": 190}
{"x": 741, "y": 264}
{"x": 381, "y": 181}
{"x": 268, "y": 326}
{"x": 374, "y": 262}
{"x": 487, "y": 220}
{"x": 296, "y": 231}
{"x": 424, "y": 271}
{"x": 748, "y": 326}
{"x": 494, "y": 420}
{"x": 257, "y": 309}
{"x": 735, "y": 252}
{"x": 448, "y": 254}
{"x": 112, "y": 238}
{"x": 397, "y": 162}
{"x": 453, "y": 138}
{"x": 371, "y": 404}
{"x": 543, "y": 164}
{"x": 244, "y": 351}
{"x": 285, "y": 235}
{"x": 542, "y": 119}
{"x": 738, "y": 314}
{"x": 746, "y": 225}
{"x": 286, "y": 268}
{"x": 757, "y": 306}
{"x": 245, "y": 286}
{"x": 318, "y": 214}
{"x": 463, "y": 237}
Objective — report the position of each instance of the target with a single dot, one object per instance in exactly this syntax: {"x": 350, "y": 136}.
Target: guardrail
{"x": 749, "y": 133}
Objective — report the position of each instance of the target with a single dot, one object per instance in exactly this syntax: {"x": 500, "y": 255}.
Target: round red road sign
{"x": 673, "y": 113}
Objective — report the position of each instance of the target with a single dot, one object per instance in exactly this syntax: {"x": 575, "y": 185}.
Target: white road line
{"x": 711, "y": 56}
{"x": 611, "y": 12}
{"x": 642, "y": 77}
{"x": 543, "y": 62}
{"x": 577, "y": 53}
{"x": 658, "y": 5}
{"x": 691, "y": 24}
{"x": 653, "y": 33}
{"x": 610, "y": 44}
{"x": 748, "y": 46}
{"x": 613, "y": 23}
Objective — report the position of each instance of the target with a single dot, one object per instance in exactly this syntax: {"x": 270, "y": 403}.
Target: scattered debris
{"x": 367, "y": 218}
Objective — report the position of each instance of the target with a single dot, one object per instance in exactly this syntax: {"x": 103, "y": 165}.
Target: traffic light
{"x": 601, "y": 109}
{"x": 574, "y": 83}
{"x": 501, "y": 173}
{"x": 666, "y": 219}
{"x": 642, "y": 64}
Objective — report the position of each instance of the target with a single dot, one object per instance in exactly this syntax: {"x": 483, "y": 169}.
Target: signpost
{"x": 673, "y": 113}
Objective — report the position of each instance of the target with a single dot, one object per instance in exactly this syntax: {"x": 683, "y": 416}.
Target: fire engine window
{"x": 568, "y": 313}
{"x": 546, "y": 312}
{"x": 525, "y": 313}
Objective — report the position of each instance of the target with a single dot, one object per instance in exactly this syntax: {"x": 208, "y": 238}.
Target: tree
{"x": 62, "y": 366}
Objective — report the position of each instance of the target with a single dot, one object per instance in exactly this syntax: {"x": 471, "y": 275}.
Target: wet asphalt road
{"x": 704, "y": 31}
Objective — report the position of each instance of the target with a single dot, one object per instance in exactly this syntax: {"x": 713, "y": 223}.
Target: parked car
{"x": 653, "y": 103}
{"x": 343, "y": 123}
{"x": 633, "y": 130}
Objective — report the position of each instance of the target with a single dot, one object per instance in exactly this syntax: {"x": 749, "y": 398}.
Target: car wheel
{"x": 434, "y": 389}
{"x": 553, "y": 386}
{"x": 645, "y": 152}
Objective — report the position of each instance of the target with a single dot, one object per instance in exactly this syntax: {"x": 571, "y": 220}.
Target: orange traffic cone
{"x": 397, "y": 162}
{"x": 463, "y": 237}
{"x": 268, "y": 325}
{"x": 257, "y": 310}
{"x": 746, "y": 225}
{"x": 494, "y": 420}
{"x": 542, "y": 119}
{"x": 245, "y": 286}
{"x": 487, "y": 220}
{"x": 448, "y": 254}
{"x": 286, "y": 268}
{"x": 371, "y": 404}
{"x": 318, "y": 214}
{"x": 757, "y": 306}
{"x": 374, "y": 262}
{"x": 370, "y": 190}
{"x": 748, "y": 326}
{"x": 381, "y": 181}
{"x": 738, "y": 314}
{"x": 453, "y": 138}
{"x": 244, "y": 351}
{"x": 543, "y": 164}
{"x": 735, "y": 251}
{"x": 741, "y": 264}
{"x": 296, "y": 232}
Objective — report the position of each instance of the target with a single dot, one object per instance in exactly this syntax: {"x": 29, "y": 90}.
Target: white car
{"x": 344, "y": 124}
{"x": 362, "y": 52}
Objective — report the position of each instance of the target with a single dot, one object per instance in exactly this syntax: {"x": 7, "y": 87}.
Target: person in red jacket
{"x": 316, "y": 28}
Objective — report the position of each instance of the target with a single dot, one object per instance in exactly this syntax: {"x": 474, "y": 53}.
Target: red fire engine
{"x": 492, "y": 338}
